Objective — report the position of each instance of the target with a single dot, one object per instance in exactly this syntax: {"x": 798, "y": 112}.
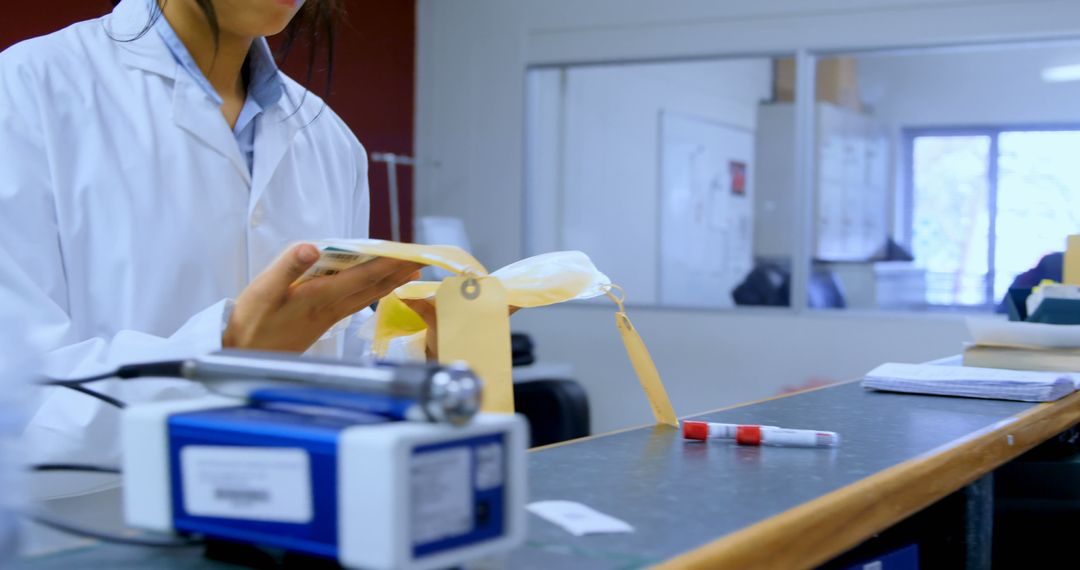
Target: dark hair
{"x": 314, "y": 25}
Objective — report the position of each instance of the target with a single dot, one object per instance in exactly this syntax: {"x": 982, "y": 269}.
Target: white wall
{"x": 972, "y": 87}
{"x": 472, "y": 56}
{"x": 709, "y": 360}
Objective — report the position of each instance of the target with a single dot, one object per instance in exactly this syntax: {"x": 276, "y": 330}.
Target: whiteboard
{"x": 706, "y": 198}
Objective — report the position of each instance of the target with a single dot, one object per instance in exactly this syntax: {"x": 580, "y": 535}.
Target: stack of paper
{"x": 1023, "y": 346}
{"x": 971, "y": 382}
{"x": 998, "y": 332}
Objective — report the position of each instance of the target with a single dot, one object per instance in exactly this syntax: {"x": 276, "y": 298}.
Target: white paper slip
{"x": 969, "y": 382}
{"x": 578, "y": 519}
{"x": 1015, "y": 333}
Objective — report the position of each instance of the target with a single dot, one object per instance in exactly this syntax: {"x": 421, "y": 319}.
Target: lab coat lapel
{"x": 194, "y": 112}
{"x": 137, "y": 46}
{"x": 192, "y": 109}
{"x": 273, "y": 136}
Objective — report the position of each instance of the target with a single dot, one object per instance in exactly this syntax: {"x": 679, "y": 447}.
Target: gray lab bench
{"x": 716, "y": 505}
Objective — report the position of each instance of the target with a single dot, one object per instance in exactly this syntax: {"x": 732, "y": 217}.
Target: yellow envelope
{"x": 534, "y": 282}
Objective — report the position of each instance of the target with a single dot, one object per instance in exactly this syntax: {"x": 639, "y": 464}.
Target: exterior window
{"x": 986, "y": 204}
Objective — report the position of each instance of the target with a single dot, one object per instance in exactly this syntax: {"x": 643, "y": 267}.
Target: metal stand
{"x": 392, "y": 160}
{"x": 979, "y": 522}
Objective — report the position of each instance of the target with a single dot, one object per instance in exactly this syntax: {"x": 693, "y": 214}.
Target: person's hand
{"x": 426, "y": 309}
{"x": 274, "y": 313}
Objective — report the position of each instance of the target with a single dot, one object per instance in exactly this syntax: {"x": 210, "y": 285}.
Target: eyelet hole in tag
{"x": 470, "y": 289}
{"x": 474, "y": 327}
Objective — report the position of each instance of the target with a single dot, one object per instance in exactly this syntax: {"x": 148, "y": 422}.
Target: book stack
{"x": 1009, "y": 360}
{"x": 1023, "y": 346}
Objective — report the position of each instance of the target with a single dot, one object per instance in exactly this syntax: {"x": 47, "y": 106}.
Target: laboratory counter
{"x": 718, "y": 505}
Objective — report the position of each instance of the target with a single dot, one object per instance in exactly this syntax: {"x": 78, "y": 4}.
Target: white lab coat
{"x": 133, "y": 220}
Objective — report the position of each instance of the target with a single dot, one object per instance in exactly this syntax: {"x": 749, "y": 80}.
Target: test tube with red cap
{"x": 760, "y": 435}
{"x": 712, "y": 430}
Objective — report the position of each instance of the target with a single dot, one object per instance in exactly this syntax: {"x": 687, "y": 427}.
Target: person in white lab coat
{"x": 152, "y": 172}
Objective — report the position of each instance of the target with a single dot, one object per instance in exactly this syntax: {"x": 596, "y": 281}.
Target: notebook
{"x": 970, "y": 382}
{"x": 1022, "y": 358}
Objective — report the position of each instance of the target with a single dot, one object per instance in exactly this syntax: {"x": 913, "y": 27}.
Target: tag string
{"x": 618, "y": 299}
{"x": 643, "y": 364}
{"x": 473, "y": 272}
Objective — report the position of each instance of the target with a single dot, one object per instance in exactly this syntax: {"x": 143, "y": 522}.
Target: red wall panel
{"x": 373, "y": 87}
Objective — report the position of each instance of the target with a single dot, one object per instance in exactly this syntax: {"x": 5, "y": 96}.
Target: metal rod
{"x": 992, "y": 203}
{"x": 392, "y": 160}
{"x": 979, "y": 522}
{"x": 806, "y": 188}
{"x": 395, "y": 212}
{"x": 443, "y": 393}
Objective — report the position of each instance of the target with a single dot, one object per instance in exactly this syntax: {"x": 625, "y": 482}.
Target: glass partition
{"x": 654, "y": 170}
{"x": 943, "y": 175}
{"x": 937, "y": 177}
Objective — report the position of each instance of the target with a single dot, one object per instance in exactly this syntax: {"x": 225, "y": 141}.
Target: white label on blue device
{"x": 255, "y": 483}
{"x": 442, "y": 494}
{"x": 489, "y": 466}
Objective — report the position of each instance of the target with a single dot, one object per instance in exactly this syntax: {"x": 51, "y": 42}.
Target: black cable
{"x": 166, "y": 368}
{"x": 77, "y": 381}
{"x": 69, "y": 528}
{"x": 74, "y": 467}
{"x": 94, "y": 394}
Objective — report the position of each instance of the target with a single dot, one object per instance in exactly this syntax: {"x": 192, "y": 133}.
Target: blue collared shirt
{"x": 264, "y": 86}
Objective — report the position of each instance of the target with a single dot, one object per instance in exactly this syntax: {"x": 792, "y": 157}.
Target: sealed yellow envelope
{"x": 473, "y": 309}
{"x": 340, "y": 254}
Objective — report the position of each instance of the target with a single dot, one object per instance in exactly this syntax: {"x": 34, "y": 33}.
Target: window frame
{"x": 994, "y": 132}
